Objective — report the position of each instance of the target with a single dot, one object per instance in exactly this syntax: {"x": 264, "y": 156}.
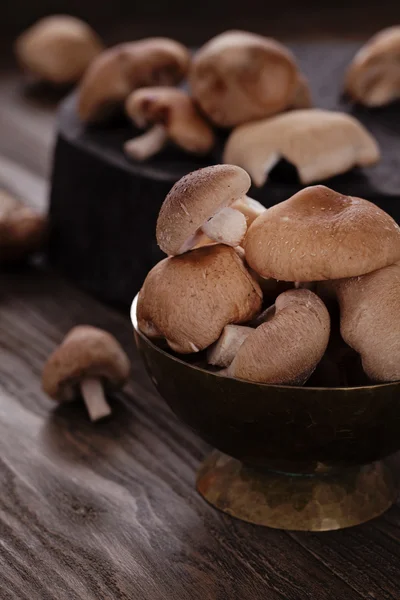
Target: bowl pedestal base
{"x": 317, "y": 502}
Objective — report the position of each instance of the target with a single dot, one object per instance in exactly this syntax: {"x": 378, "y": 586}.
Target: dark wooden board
{"x": 104, "y": 206}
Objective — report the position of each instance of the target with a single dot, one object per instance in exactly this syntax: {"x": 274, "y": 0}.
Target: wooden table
{"x": 110, "y": 511}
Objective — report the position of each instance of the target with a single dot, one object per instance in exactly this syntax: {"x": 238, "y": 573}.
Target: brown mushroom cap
{"x": 188, "y": 299}
{"x": 126, "y": 67}
{"x": 370, "y": 320}
{"x": 319, "y": 234}
{"x": 287, "y": 348}
{"x": 193, "y": 200}
{"x": 176, "y": 111}
{"x": 85, "y": 352}
{"x": 239, "y": 77}
{"x": 373, "y": 77}
{"x": 58, "y": 49}
{"x": 319, "y": 143}
{"x": 22, "y": 231}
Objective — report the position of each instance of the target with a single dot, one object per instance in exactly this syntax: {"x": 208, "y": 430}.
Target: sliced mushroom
{"x": 373, "y": 77}
{"x": 58, "y": 49}
{"x": 222, "y": 353}
{"x": 319, "y": 234}
{"x": 201, "y": 203}
{"x": 22, "y": 230}
{"x": 319, "y": 143}
{"x": 124, "y": 68}
{"x": 189, "y": 299}
{"x": 173, "y": 116}
{"x": 238, "y": 77}
{"x": 370, "y": 320}
{"x": 286, "y": 348}
{"x": 87, "y": 360}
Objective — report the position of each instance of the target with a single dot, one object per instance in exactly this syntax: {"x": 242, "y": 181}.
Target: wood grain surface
{"x": 110, "y": 512}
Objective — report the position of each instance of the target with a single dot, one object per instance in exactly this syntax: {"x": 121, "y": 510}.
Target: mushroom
{"x": 87, "y": 360}
{"x": 58, "y": 49}
{"x": 370, "y": 320}
{"x": 319, "y": 143}
{"x": 286, "y": 348}
{"x": 200, "y": 203}
{"x": 373, "y": 77}
{"x": 238, "y": 77}
{"x": 120, "y": 70}
{"x": 22, "y": 230}
{"x": 173, "y": 115}
{"x": 318, "y": 234}
{"x": 188, "y": 299}
{"x": 249, "y": 207}
{"x": 222, "y": 352}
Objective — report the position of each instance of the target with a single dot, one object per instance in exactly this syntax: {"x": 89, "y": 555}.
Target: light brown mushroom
{"x": 173, "y": 116}
{"x": 120, "y": 70}
{"x": 22, "y": 230}
{"x": 373, "y": 77}
{"x": 188, "y": 299}
{"x": 370, "y": 320}
{"x": 201, "y": 203}
{"x": 319, "y": 143}
{"x": 87, "y": 360}
{"x": 58, "y": 49}
{"x": 223, "y": 351}
{"x": 250, "y": 208}
{"x": 318, "y": 234}
{"x": 286, "y": 348}
{"x": 238, "y": 77}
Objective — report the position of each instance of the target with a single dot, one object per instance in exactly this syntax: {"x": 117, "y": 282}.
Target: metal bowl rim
{"x": 262, "y": 385}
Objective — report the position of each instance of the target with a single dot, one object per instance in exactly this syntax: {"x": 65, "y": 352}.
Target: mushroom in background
{"x": 58, "y": 49}
{"x": 286, "y": 348}
{"x": 319, "y": 143}
{"x": 201, "y": 203}
{"x": 189, "y": 299}
{"x": 370, "y": 320}
{"x": 319, "y": 234}
{"x": 373, "y": 77}
{"x": 238, "y": 77}
{"x": 173, "y": 116}
{"x": 22, "y": 230}
{"x": 87, "y": 360}
{"x": 120, "y": 70}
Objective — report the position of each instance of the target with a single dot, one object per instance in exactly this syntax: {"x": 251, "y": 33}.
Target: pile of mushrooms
{"x": 206, "y": 295}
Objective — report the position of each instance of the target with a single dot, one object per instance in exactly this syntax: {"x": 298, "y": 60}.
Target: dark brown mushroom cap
{"x": 119, "y": 70}
{"x": 188, "y": 299}
{"x": 22, "y": 230}
{"x": 319, "y": 234}
{"x": 85, "y": 352}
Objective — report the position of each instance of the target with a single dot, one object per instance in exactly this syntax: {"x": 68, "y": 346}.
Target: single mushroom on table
{"x": 287, "y": 348}
{"x": 120, "y": 70}
{"x": 188, "y": 299}
{"x": 370, "y": 320}
{"x": 87, "y": 360}
{"x": 319, "y": 234}
{"x": 373, "y": 77}
{"x": 319, "y": 143}
{"x": 22, "y": 230}
{"x": 172, "y": 115}
{"x": 201, "y": 203}
{"x": 58, "y": 49}
{"x": 239, "y": 76}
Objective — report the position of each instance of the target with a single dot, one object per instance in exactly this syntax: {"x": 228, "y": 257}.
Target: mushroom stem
{"x": 228, "y": 227}
{"x": 222, "y": 353}
{"x": 96, "y": 403}
{"x": 145, "y": 146}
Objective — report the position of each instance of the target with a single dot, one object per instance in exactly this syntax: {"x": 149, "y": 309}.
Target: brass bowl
{"x": 301, "y": 458}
